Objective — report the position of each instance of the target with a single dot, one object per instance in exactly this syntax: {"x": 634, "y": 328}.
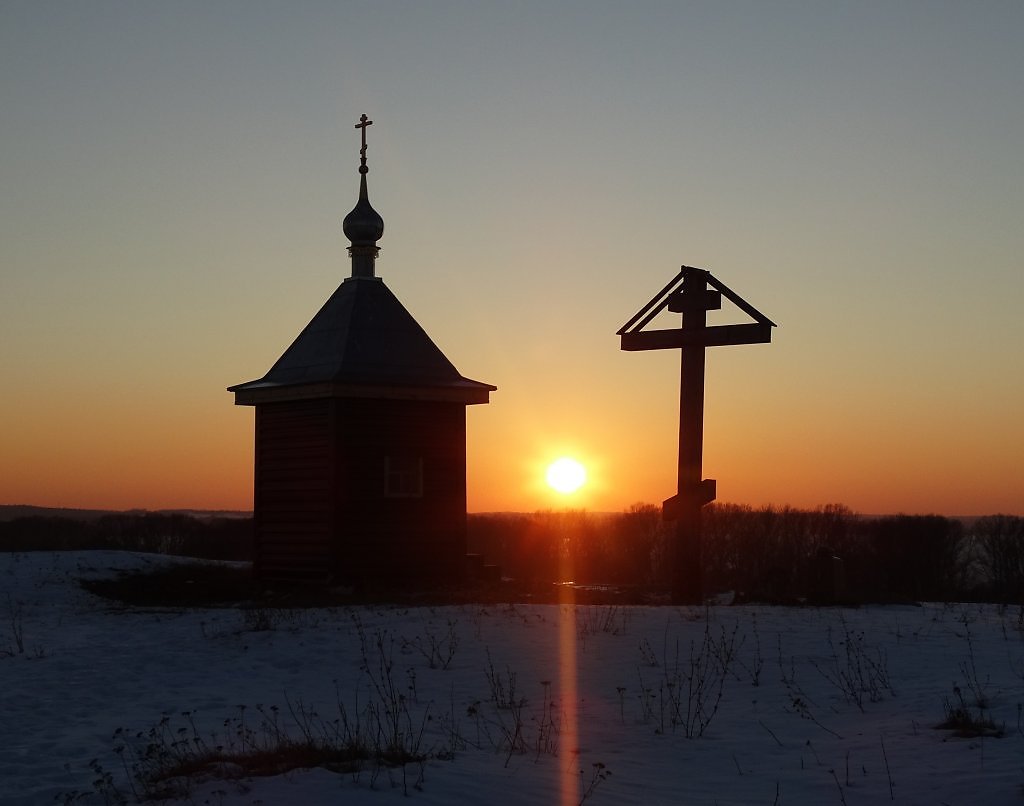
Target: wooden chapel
{"x": 360, "y": 455}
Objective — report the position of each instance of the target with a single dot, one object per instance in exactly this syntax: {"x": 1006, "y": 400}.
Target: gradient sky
{"x": 173, "y": 177}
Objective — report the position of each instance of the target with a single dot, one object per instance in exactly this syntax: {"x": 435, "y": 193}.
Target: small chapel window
{"x": 403, "y": 476}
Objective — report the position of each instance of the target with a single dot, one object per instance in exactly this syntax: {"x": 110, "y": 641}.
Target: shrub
{"x": 998, "y": 542}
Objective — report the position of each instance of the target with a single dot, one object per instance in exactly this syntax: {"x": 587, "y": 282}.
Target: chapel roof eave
{"x": 467, "y": 392}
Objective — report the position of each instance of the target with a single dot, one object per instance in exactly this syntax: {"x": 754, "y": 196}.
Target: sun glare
{"x": 566, "y": 475}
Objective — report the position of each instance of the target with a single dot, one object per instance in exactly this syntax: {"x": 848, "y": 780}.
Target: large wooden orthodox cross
{"x": 689, "y": 294}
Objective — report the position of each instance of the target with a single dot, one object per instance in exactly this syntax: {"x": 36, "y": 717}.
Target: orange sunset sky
{"x": 174, "y": 177}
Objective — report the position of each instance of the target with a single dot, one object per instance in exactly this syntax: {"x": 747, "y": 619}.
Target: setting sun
{"x": 566, "y": 475}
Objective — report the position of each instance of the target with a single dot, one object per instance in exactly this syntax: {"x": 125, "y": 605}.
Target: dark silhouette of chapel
{"x": 360, "y": 464}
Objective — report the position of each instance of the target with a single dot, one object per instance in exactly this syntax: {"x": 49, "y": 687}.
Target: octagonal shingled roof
{"x": 364, "y": 339}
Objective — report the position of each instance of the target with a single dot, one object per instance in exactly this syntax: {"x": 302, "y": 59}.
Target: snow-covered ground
{"x": 817, "y": 706}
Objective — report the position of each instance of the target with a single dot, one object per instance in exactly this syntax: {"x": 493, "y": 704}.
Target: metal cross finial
{"x": 362, "y": 124}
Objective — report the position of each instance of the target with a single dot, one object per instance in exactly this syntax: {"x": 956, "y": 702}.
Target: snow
{"x": 75, "y": 668}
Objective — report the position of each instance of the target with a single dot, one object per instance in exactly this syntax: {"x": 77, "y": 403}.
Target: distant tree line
{"x": 774, "y": 554}
{"x": 213, "y": 538}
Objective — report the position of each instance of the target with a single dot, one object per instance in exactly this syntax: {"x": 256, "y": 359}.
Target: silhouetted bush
{"x": 831, "y": 553}
{"x": 773, "y": 553}
{"x": 542, "y": 547}
{"x": 508, "y": 540}
{"x": 918, "y": 557}
{"x": 998, "y": 543}
{"x": 634, "y": 548}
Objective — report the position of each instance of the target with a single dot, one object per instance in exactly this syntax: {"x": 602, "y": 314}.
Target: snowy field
{"x": 508, "y": 704}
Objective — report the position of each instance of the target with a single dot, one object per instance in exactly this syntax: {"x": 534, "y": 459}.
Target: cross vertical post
{"x": 687, "y": 587}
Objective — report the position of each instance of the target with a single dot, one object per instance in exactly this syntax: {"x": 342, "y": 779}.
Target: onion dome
{"x": 363, "y": 226}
